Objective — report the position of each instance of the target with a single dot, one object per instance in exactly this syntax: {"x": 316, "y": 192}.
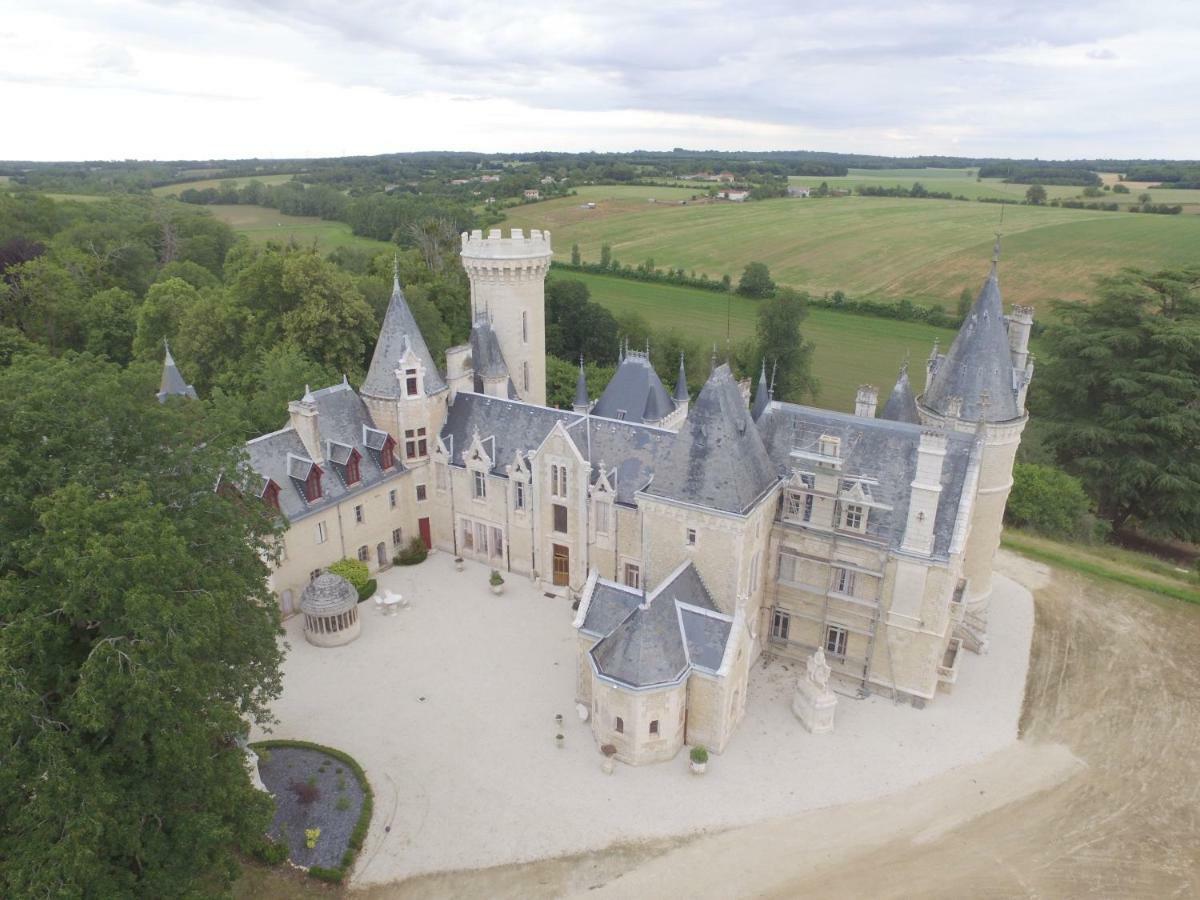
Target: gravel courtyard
{"x": 449, "y": 706}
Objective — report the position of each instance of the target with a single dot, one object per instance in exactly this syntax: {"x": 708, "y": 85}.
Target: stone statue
{"x": 818, "y": 669}
{"x": 813, "y": 702}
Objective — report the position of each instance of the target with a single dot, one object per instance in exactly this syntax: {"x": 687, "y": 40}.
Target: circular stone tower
{"x": 508, "y": 289}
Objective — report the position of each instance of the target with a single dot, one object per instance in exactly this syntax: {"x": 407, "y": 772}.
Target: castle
{"x": 694, "y": 535}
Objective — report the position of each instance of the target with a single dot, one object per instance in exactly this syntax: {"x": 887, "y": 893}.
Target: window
{"x": 620, "y": 725}
{"x": 392, "y": 499}
{"x": 481, "y": 538}
{"x": 843, "y": 580}
{"x": 479, "y": 485}
{"x": 835, "y": 640}
{"x": 415, "y": 443}
{"x": 439, "y": 474}
{"x": 558, "y": 481}
{"x": 654, "y": 726}
{"x": 410, "y": 382}
{"x": 633, "y": 575}
{"x": 781, "y": 624}
{"x": 519, "y": 495}
{"x": 853, "y": 517}
{"x": 312, "y": 484}
{"x": 421, "y": 495}
{"x": 525, "y": 374}
{"x": 359, "y": 518}
{"x": 314, "y": 574}
{"x": 468, "y": 535}
{"x": 621, "y": 414}
{"x": 602, "y": 511}
{"x": 397, "y": 537}
{"x": 808, "y": 505}
{"x": 322, "y": 533}
{"x": 789, "y": 568}
{"x": 387, "y": 457}
{"x": 271, "y": 494}
{"x": 799, "y": 506}
{"x": 363, "y": 553}
{"x": 560, "y": 518}
{"x": 524, "y": 327}
{"x": 497, "y": 542}
{"x": 690, "y": 537}
{"x": 352, "y": 474}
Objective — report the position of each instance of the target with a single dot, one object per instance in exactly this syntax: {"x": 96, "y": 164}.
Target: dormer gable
{"x": 476, "y": 455}
{"x": 382, "y": 444}
{"x": 270, "y": 493}
{"x": 410, "y": 373}
{"x": 306, "y": 475}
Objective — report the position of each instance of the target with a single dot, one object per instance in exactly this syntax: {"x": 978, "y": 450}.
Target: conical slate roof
{"x": 172, "y": 384}
{"x": 681, "y": 388}
{"x": 761, "y": 394}
{"x": 635, "y": 393}
{"x": 718, "y": 459}
{"x": 901, "y": 406}
{"x": 487, "y": 359}
{"x": 399, "y": 332}
{"x": 581, "y": 390}
{"x": 978, "y": 367}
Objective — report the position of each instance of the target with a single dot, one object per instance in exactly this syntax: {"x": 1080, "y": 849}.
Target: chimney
{"x": 1020, "y": 324}
{"x": 925, "y": 490}
{"x": 303, "y": 413}
{"x": 866, "y": 400}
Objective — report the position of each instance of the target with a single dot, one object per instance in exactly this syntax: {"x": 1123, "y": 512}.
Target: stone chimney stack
{"x": 303, "y": 413}
{"x": 926, "y": 488}
{"x": 866, "y": 401}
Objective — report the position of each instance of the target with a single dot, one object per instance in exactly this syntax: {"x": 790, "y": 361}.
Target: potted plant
{"x": 559, "y": 740}
{"x": 698, "y": 760}
{"x": 609, "y": 751}
{"x": 497, "y": 582}
{"x": 458, "y": 563}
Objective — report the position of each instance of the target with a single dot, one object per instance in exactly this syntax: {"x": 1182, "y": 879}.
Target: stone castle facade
{"x": 693, "y": 535}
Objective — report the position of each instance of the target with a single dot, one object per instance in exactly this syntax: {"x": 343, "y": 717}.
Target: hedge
{"x": 359, "y": 834}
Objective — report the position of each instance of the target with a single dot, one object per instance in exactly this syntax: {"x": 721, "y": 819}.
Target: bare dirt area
{"x": 1100, "y": 797}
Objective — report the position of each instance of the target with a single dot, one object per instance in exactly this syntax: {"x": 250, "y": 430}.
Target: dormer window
{"x": 854, "y": 517}
{"x": 411, "y": 382}
{"x": 270, "y": 494}
{"x": 830, "y": 445}
{"x": 352, "y": 473}
{"x": 312, "y": 484}
{"x": 387, "y": 454}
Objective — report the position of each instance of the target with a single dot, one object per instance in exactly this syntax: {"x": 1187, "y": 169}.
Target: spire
{"x": 681, "y": 388}
{"x": 172, "y": 383}
{"x": 901, "y": 405}
{"x": 399, "y": 334}
{"x": 761, "y": 393}
{"x": 581, "y": 389}
{"x": 978, "y": 365}
{"x": 771, "y": 389}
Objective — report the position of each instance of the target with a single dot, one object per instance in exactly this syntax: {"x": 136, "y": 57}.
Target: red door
{"x": 426, "y": 535}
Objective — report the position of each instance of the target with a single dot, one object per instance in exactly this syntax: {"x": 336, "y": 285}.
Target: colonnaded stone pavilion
{"x": 694, "y": 534}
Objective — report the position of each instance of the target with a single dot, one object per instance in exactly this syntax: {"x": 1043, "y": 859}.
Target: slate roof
{"x": 172, "y": 384}
{"x": 486, "y": 357}
{"x": 979, "y": 363}
{"x": 514, "y": 427}
{"x": 610, "y": 605}
{"x": 718, "y": 460}
{"x": 398, "y": 333}
{"x": 635, "y": 393}
{"x": 327, "y": 595}
{"x": 681, "y": 388}
{"x": 762, "y": 394}
{"x": 581, "y": 389}
{"x": 882, "y": 450}
{"x": 901, "y": 406}
{"x": 650, "y": 646}
{"x": 344, "y": 423}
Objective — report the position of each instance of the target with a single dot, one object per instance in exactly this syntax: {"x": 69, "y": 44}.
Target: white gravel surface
{"x": 449, "y": 706}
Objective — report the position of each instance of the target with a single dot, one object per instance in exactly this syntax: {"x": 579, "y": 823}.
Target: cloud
{"x": 964, "y": 78}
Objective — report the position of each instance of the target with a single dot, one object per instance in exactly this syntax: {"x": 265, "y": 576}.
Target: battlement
{"x": 495, "y": 245}
{"x": 1022, "y": 314}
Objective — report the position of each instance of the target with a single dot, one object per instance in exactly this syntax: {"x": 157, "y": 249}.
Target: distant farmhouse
{"x": 695, "y": 534}
{"x": 797, "y": 191}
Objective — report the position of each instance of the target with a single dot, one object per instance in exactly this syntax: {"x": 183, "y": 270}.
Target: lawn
{"x": 261, "y": 223}
{"x": 924, "y": 250}
{"x": 850, "y": 349}
{"x": 170, "y": 190}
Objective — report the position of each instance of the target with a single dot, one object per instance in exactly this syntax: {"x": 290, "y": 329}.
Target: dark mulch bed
{"x": 291, "y": 767}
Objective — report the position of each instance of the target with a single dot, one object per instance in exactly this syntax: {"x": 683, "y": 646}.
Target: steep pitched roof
{"x": 901, "y": 406}
{"x": 762, "y": 394}
{"x": 635, "y": 393}
{"x": 718, "y": 459}
{"x": 486, "y": 357}
{"x": 581, "y": 389}
{"x": 172, "y": 384}
{"x": 681, "y": 388}
{"x": 399, "y": 333}
{"x": 978, "y": 367}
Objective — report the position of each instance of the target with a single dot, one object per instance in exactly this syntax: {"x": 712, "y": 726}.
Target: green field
{"x": 171, "y": 190}
{"x": 263, "y": 224}
{"x": 850, "y": 350}
{"x": 879, "y": 247}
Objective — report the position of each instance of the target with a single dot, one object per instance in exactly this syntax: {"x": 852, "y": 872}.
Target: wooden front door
{"x": 426, "y": 534}
{"x": 381, "y": 554}
{"x": 562, "y": 565}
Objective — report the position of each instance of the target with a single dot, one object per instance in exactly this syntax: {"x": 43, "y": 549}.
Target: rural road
{"x": 1100, "y": 797}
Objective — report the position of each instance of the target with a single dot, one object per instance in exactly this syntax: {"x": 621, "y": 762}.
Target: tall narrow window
{"x": 519, "y": 495}
{"x": 835, "y": 640}
{"x": 524, "y": 326}
{"x": 322, "y": 533}
{"x": 560, "y": 518}
{"x": 359, "y": 516}
{"x": 479, "y": 485}
{"x": 410, "y": 382}
{"x": 387, "y": 457}
{"x": 440, "y": 478}
{"x": 781, "y": 623}
{"x": 690, "y": 537}
{"x": 525, "y": 375}
{"x": 392, "y": 499}
{"x": 843, "y": 580}
{"x": 620, "y": 725}
{"x": 654, "y": 726}
{"x": 808, "y": 507}
{"x": 397, "y": 537}
{"x": 602, "y": 510}
{"x": 363, "y": 553}
{"x": 352, "y": 474}
{"x": 312, "y": 484}
{"x": 421, "y": 493}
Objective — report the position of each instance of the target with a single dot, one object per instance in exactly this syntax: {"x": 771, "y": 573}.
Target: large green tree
{"x": 1121, "y": 389}
{"x": 756, "y": 281}
{"x": 137, "y": 636}
{"x": 780, "y": 343}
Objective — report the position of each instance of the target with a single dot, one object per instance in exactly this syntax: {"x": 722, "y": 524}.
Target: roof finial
{"x": 713, "y": 359}
{"x": 771, "y": 388}
{"x": 167, "y": 349}
{"x": 396, "y": 267}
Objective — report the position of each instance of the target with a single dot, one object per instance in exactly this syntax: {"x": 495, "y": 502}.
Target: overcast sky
{"x": 270, "y": 78}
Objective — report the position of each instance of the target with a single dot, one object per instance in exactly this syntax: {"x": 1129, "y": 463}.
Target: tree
{"x": 575, "y": 257}
{"x": 1120, "y": 390}
{"x": 1048, "y": 500}
{"x": 781, "y": 344}
{"x": 137, "y": 636}
{"x": 605, "y": 256}
{"x": 561, "y": 376}
{"x": 1035, "y": 195}
{"x": 1144, "y": 198}
{"x": 756, "y": 281}
{"x": 965, "y": 299}
{"x": 1119, "y": 188}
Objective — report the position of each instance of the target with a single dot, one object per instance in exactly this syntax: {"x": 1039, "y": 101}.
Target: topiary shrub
{"x": 699, "y": 755}
{"x": 354, "y": 571}
{"x": 414, "y": 553}
{"x": 367, "y": 590}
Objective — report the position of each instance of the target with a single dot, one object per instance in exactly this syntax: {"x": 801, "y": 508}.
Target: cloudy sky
{"x": 106, "y": 79}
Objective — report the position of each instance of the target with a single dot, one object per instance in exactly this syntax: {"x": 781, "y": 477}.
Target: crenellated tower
{"x": 508, "y": 290}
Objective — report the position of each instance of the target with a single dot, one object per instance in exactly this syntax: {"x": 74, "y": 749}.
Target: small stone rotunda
{"x": 330, "y": 608}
